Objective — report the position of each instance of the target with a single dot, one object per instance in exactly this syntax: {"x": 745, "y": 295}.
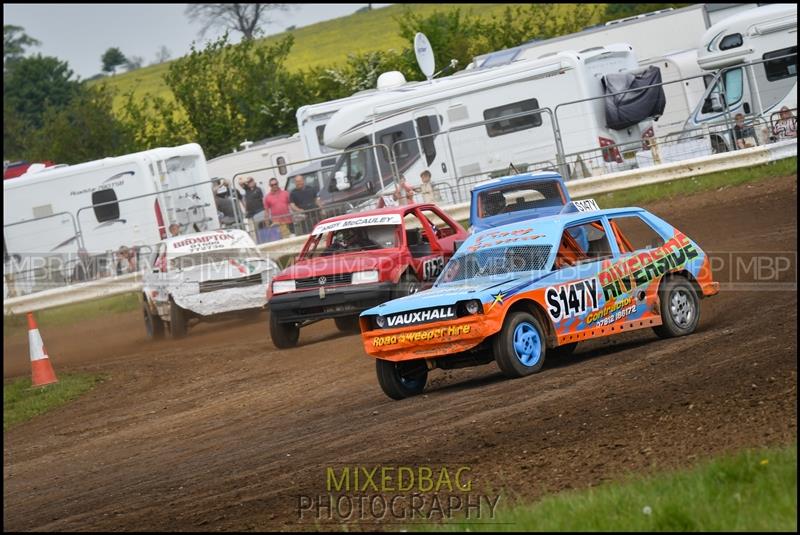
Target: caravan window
{"x": 105, "y": 212}
{"x": 784, "y": 67}
{"x": 281, "y": 161}
{"x": 733, "y": 40}
{"x": 425, "y": 126}
{"x": 733, "y": 86}
{"x": 502, "y": 127}
{"x": 321, "y": 139}
{"x": 400, "y": 141}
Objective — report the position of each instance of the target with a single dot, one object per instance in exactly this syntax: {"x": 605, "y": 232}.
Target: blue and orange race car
{"x": 521, "y": 291}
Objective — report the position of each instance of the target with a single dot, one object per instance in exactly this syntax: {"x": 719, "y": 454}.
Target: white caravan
{"x": 408, "y": 118}
{"x": 768, "y": 35}
{"x": 105, "y": 204}
{"x": 274, "y": 157}
{"x": 650, "y": 34}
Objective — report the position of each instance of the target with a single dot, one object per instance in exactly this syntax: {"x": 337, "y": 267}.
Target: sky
{"x": 81, "y": 33}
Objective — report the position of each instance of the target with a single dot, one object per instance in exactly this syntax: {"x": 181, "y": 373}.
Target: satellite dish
{"x": 424, "y": 53}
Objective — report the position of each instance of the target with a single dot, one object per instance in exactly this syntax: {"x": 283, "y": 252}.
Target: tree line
{"x": 224, "y": 93}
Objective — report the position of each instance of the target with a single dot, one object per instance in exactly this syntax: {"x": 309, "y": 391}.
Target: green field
{"x": 21, "y": 402}
{"x": 320, "y": 44}
{"x": 754, "y": 490}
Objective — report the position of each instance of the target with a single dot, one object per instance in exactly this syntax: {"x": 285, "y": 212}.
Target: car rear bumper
{"x": 338, "y": 301}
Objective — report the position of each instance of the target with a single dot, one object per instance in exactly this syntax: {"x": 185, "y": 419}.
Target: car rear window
{"x": 509, "y": 199}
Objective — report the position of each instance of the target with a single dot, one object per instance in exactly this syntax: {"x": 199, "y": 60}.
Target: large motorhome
{"x": 766, "y": 35}
{"x": 407, "y": 120}
{"x": 103, "y": 205}
{"x": 650, "y": 34}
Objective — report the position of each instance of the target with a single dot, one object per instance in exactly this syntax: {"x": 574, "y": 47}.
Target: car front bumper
{"x": 337, "y": 301}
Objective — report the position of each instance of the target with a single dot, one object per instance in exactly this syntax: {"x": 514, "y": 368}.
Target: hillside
{"x": 323, "y": 43}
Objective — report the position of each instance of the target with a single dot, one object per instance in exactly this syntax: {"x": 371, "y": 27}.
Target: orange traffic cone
{"x": 42, "y": 371}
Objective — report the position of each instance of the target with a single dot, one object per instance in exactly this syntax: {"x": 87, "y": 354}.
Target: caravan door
{"x": 433, "y": 147}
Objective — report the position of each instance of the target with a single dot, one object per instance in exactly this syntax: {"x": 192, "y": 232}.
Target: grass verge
{"x": 21, "y": 402}
{"x": 69, "y": 314}
{"x": 754, "y": 490}
{"x": 687, "y": 186}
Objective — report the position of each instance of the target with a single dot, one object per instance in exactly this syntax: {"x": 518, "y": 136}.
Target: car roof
{"x": 547, "y": 229}
{"x": 517, "y": 179}
{"x": 401, "y": 210}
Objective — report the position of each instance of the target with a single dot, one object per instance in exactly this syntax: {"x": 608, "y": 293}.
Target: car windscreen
{"x": 495, "y": 261}
{"x": 349, "y": 240}
{"x": 178, "y": 262}
{"x": 509, "y": 199}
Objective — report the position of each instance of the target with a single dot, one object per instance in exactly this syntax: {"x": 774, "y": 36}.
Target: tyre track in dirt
{"x": 221, "y": 431}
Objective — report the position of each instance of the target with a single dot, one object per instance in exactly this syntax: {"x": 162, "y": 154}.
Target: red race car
{"x": 353, "y": 262}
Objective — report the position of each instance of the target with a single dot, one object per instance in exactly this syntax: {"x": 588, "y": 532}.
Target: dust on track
{"x": 221, "y": 431}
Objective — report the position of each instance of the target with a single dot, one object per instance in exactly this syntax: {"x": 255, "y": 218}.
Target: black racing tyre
{"x": 177, "y": 321}
{"x": 519, "y": 348}
{"x": 153, "y": 324}
{"x": 400, "y": 380}
{"x": 284, "y": 335}
{"x": 408, "y": 285}
{"x": 347, "y": 324}
{"x": 680, "y": 308}
{"x": 564, "y": 350}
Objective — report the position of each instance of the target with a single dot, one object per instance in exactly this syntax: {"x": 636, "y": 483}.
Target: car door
{"x": 426, "y": 256}
{"x": 576, "y": 295}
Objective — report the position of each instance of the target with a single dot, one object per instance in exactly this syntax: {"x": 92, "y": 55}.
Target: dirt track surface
{"x": 221, "y": 431}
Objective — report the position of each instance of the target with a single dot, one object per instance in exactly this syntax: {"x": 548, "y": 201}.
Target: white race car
{"x": 204, "y": 276}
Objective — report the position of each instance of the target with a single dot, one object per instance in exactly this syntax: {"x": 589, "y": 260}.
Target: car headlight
{"x": 363, "y": 277}
{"x": 279, "y": 287}
{"x": 471, "y": 307}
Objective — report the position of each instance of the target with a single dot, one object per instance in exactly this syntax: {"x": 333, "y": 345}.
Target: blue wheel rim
{"x": 527, "y": 344}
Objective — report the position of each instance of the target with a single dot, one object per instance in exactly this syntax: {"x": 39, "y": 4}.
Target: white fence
{"x": 586, "y": 187}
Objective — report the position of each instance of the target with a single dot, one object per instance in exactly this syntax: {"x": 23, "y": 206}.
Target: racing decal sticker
{"x": 421, "y": 316}
{"x": 643, "y": 267}
{"x": 573, "y": 299}
{"x": 420, "y": 336}
{"x": 611, "y": 312}
{"x": 432, "y": 268}
{"x": 203, "y": 243}
{"x": 497, "y": 299}
{"x": 390, "y": 219}
{"x": 494, "y": 238}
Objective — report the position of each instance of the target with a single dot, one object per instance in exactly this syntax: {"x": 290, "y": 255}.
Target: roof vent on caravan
{"x": 391, "y": 80}
{"x": 245, "y": 144}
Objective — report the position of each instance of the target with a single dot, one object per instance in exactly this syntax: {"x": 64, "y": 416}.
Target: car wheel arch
{"x": 686, "y": 275}
{"x": 538, "y": 312}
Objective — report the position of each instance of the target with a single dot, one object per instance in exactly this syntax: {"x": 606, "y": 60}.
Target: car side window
{"x": 416, "y": 237}
{"x": 439, "y": 225}
{"x": 586, "y": 242}
{"x": 632, "y": 233}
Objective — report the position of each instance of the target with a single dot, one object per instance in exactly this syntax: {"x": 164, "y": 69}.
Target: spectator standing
{"x": 744, "y": 135}
{"x": 305, "y": 203}
{"x": 426, "y": 188}
{"x": 86, "y": 268}
{"x": 126, "y": 261}
{"x": 786, "y": 126}
{"x": 276, "y": 206}
{"x": 224, "y": 199}
{"x": 403, "y": 192}
{"x": 253, "y": 199}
